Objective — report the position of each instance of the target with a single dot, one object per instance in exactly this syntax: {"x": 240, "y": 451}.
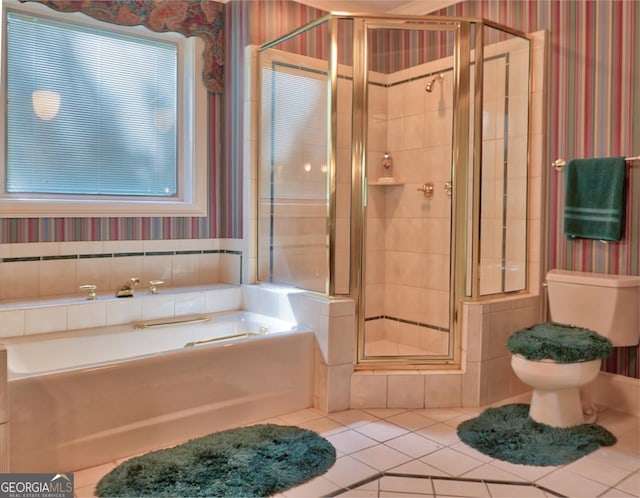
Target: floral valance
{"x": 202, "y": 18}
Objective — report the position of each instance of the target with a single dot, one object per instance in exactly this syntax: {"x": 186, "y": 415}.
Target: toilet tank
{"x": 607, "y": 304}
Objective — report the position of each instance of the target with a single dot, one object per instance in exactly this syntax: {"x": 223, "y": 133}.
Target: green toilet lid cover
{"x": 559, "y": 342}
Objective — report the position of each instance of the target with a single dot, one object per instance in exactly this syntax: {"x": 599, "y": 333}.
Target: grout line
{"x": 433, "y": 478}
{"x": 355, "y": 485}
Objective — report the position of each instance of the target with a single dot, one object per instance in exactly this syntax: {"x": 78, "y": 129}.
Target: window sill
{"x": 31, "y": 208}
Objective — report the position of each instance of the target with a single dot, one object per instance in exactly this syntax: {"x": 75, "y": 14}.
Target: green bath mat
{"x": 260, "y": 460}
{"x": 508, "y": 433}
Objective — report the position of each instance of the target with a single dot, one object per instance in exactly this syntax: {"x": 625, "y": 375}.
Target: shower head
{"x": 429, "y": 87}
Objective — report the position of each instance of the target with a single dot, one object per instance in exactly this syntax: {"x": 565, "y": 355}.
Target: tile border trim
{"x": 118, "y": 255}
{"x": 403, "y": 320}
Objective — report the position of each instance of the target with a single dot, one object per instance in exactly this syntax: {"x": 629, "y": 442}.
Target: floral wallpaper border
{"x": 204, "y": 19}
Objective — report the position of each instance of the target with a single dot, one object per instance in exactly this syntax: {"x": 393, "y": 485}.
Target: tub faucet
{"x": 126, "y": 289}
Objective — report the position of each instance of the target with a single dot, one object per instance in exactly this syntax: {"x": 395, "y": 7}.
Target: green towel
{"x": 594, "y": 200}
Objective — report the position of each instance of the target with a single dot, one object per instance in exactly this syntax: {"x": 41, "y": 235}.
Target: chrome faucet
{"x": 126, "y": 289}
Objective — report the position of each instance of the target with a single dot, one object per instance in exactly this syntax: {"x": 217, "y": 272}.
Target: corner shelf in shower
{"x": 385, "y": 184}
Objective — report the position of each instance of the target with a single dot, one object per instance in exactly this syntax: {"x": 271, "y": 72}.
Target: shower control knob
{"x": 91, "y": 291}
{"x": 426, "y": 189}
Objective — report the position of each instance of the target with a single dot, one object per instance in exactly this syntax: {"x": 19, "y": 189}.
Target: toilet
{"x": 606, "y": 304}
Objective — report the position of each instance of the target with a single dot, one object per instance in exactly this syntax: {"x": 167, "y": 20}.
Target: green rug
{"x": 259, "y": 460}
{"x": 508, "y": 433}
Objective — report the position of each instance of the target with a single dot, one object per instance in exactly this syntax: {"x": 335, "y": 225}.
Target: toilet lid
{"x": 559, "y": 342}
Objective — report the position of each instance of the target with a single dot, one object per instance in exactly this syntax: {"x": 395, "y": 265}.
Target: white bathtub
{"x": 80, "y": 349}
{"x": 81, "y": 398}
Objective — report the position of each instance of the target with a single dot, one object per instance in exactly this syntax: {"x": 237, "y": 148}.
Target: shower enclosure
{"x": 392, "y": 168}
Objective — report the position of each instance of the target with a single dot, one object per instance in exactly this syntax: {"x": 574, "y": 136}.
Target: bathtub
{"x": 81, "y": 398}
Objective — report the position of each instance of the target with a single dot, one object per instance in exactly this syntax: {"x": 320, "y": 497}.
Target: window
{"x": 100, "y": 119}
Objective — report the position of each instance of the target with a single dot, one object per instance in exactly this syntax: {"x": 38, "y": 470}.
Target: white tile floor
{"x": 411, "y": 453}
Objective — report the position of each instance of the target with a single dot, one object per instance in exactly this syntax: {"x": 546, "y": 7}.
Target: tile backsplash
{"x": 59, "y": 269}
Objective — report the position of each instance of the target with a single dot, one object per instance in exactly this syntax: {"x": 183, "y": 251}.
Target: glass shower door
{"x": 408, "y": 248}
{"x": 294, "y": 162}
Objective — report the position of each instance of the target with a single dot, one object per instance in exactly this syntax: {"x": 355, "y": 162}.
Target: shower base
{"x": 388, "y": 347}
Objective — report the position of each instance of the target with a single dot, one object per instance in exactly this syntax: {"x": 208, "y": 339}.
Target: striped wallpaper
{"x": 229, "y": 193}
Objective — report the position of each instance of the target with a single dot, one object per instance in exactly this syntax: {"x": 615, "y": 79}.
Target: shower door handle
{"x": 448, "y": 187}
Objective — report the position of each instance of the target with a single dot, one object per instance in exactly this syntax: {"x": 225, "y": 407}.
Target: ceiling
{"x": 401, "y": 7}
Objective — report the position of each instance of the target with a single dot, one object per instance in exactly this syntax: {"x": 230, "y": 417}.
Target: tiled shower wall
{"x": 407, "y": 233}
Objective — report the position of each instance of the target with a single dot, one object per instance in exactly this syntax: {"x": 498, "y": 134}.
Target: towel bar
{"x": 559, "y": 163}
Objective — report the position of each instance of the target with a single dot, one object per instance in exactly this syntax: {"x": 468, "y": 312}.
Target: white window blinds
{"x": 89, "y": 112}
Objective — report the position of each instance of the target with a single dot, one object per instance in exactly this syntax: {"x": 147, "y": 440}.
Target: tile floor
{"x": 416, "y": 453}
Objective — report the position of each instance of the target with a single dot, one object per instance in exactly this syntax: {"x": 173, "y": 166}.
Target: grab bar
{"x": 560, "y": 163}
{"x": 171, "y": 321}
{"x": 218, "y": 339}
